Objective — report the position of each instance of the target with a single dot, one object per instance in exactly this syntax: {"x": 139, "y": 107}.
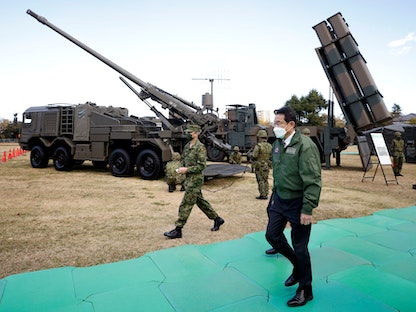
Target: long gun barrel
{"x": 105, "y": 60}
{"x": 162, "y": 117}
{"x": 177, "y": 105}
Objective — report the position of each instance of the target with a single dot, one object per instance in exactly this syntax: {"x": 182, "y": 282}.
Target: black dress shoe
{"x": 301, "y": 298}
{"x": 261, "y": 197}
{"x": 271, "y": 251}
{"x": 291, "y": 280}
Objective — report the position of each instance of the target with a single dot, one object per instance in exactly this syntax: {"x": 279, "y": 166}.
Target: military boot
{"x": 175, "y": 233}
{"x": 261, "y": 197}
{"x": 218, "y": 221}
{"x": 172, "y": 187}
{"x": 182, "y": 188}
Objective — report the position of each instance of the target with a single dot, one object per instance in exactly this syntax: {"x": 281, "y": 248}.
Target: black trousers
{"x": 280, "y": 212}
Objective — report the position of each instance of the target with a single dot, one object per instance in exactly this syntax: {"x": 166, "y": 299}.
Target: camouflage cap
{"x": 236, "y": 148}
{"x": 262, "y": 134}
{"x": 193, "y": 128}
{"x": 306, "y": 131}
{"x": 397, "y": 134}
{"x": 176, "y": 156}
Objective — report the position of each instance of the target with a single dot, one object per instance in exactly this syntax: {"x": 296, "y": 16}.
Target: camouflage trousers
{"x": 192, "y": 196}
{"x": 175, "y": 179}
{"x": 397, "y": 164}
{"x": 262, "y": 177}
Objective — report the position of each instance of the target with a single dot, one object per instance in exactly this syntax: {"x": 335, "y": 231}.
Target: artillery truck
{"x": 71, "y": 134}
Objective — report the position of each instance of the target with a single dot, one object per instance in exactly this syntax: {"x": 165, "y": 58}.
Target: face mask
{"x": 279, "y": 132}
{"x": 189, "y": 136}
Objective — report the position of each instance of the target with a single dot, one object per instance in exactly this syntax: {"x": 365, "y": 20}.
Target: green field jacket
{"x": 297, "y": 171}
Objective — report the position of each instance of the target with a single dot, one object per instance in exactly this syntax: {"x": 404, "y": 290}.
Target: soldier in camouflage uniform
{"x": 397, "y": 149}
{"x": 261, "y": 163}
{"x": 174, "y": 178}
{"x": 235, "y": 157}
{"x": 193, "y": 162}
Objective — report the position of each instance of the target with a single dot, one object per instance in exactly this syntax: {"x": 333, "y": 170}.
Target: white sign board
{"x": 381, "y": 148}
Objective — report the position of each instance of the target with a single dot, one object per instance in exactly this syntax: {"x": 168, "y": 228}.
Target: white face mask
{"x": 279, "y": 132}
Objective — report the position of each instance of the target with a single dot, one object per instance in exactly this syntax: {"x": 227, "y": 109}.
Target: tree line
{"x": 10, "y": 130}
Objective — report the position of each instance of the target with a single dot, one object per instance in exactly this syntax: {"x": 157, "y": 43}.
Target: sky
{"x": 257, "y": 51}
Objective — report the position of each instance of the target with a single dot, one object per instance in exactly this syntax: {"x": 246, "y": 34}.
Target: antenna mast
{"x": 211, "y": 81}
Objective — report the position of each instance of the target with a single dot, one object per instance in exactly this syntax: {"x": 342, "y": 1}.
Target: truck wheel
{"x": 38, "y": 157}
{"x": 120, "y": 163}
{"x": 149, "y": 165}
{"x": 215, "y": 154}
{"x": 62, "y": 159}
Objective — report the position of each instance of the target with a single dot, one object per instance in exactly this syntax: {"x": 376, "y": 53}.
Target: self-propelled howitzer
{"x": 179, "y": 108}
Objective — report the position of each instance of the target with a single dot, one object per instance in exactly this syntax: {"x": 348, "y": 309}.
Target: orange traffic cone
{"x": 4, "y": 158}
{"x": 10, "y": 155}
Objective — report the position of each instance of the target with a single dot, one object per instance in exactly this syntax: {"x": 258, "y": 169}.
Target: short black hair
{"x": 289, "y": 113}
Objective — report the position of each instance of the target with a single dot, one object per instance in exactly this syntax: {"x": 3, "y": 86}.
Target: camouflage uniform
{"x": 172, "y": 177}
{"x": 235, "y": 157}
{"x": 262, "y": 163}
{"x": 397, "y": 149}
{"x": 193, "y": 162}
{"x": 194, "y": 158}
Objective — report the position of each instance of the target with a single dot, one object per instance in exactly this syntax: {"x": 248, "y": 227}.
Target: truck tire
{"x": 39, "y": 157}
{"x": 62, "y": 159}
{"x": 149, "y": 165}
{"x": 215, "y": 154}
{"x": 120, "y": 163}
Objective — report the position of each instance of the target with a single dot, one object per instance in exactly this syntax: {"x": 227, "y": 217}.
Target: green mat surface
{"x": 362, "y": 264}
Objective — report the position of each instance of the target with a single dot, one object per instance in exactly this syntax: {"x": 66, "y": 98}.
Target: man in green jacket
{"x": 193, "y": 164}
{"x": 296, "y": 191}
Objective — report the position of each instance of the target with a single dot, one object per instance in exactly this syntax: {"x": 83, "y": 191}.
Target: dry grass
{"x": 86, "y": 217}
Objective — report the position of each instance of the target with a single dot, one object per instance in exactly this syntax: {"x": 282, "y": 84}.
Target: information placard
{"x": 381, "y": 148}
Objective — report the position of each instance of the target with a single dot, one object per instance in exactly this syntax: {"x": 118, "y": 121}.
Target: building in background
{"x": 264, "y": 116}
